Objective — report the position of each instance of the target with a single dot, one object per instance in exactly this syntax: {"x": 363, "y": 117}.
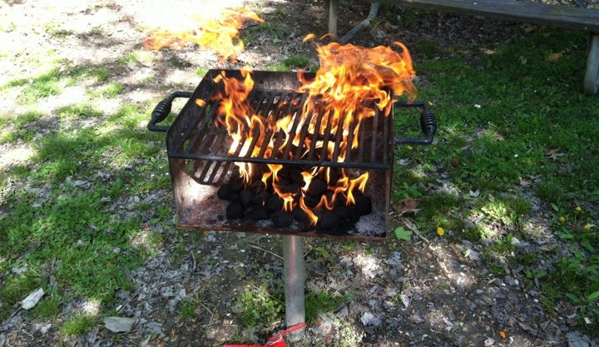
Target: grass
{"x": 514, "y": 121}
{"x": 60, "y": 224}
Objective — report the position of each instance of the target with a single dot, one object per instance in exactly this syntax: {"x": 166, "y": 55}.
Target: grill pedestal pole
{"x": 294, "y": 277}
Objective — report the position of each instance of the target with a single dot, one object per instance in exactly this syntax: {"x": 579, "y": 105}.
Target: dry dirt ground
{"x": 426, "y": 293}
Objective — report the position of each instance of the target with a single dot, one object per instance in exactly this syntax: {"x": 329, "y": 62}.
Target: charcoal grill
{"x": 199, "y": 160}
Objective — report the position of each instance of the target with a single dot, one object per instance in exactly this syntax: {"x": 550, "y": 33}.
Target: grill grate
{"x": 199, "y": 138}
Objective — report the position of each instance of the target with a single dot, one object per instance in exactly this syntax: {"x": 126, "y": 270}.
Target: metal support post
{"x": 333, "y": 6}
{"x": 294, "y": 276}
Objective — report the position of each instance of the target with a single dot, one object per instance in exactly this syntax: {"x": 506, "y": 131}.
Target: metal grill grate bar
{"x": 204, "y": 139}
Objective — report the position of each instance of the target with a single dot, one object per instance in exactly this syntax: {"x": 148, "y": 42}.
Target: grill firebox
{"x": 200, "y": 161}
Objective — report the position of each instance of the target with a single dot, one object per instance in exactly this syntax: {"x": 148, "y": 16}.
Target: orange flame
{"x": 353, "y": 83}
{"x": 218, "y": 34}
{"x": 350, "y": 79}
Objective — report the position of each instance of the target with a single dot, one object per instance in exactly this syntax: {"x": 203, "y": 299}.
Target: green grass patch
{"x": 77, "y": 325}
{"x": 42, "y": 86}
{"x": 260, "y": 305}
{"x": 322, "y": 302}
{"x": 515, "y": 120}
{"x": 110, "y": 90}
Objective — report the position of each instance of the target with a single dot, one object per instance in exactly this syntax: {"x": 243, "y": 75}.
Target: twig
{"x": 211, "y": 313}
{"x": 267, "y": 251}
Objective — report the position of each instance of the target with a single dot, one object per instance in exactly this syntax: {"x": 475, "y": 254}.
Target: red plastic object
{"x": 277, "y": 340}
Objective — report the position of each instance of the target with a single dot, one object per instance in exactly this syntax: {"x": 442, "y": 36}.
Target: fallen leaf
{"x": 407, "y": 205}
{"x": 403, "y": 234}
{"x": 502, "y": 334}
{"x": 554, "y": 56}
{"x": 475, "y": 194}
{"x": 554, "y": 154}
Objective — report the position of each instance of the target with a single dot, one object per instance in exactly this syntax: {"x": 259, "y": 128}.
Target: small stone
{"x": 32, "y": 299}
{"x": 119, "y": 324}
{"x": 576, "y": 339}
{"x": 417, "y": 318}
{"x": 369, "y": 319}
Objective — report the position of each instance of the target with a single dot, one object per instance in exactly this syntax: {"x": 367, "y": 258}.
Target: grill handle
{"x": 428, "y": 124}
{"x": 163, "y": 109}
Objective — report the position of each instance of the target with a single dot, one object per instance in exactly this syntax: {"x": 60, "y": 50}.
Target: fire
{"x": 218, "y": 34}
{"x": 352, "y": 81}
{"x": 350, "y": 78}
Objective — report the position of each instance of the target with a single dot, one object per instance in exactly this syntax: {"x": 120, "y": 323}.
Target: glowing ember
{"x": 218, "y": 34}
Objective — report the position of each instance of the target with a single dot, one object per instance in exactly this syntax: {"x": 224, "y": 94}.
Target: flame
{"x": 353, "y": 84}
{"x": 218, "y": 34}
{"x": 350, "y": 79}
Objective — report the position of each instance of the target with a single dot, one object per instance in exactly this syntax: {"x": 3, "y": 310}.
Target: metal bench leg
{"x": 591, "y": 78}
{"x": 333, "y": 6}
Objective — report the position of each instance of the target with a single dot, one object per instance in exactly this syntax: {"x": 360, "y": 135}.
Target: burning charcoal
{"x": 283, "y": 181}
{"x": 295, "y": 175}
{"x": 292, "y": 188}
{"x": 300, "y": 215}
{"x": 285, "y": 172}
{"x": 328, "y": 220}
{"x": 317, "y": 187}
{"x": 259, "y": 213}
{"x": 341, "y": 200}
{"x": 257, "y": 187}
{"x": 235, "y": 210}
{"x": 311, "y": 201}
{"x": 342, "y": 211}
{"x": 282, "y": 219}
{"x": 363, "y": 204}
{"x": 246, "y": 197}
{"x": 236, "y": 184}
{"x": 333, "y": 176}
{"x": 329, "y": 195}
{"x": 224, "y": 192}
{"x": 275, "y": 203}
{"x": 261, "y": 198}
{"x": 234, "y": 197}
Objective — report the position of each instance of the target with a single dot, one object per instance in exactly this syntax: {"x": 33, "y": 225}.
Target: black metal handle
{"x": 428, "y": 124}
{"x": 163, "y": 109}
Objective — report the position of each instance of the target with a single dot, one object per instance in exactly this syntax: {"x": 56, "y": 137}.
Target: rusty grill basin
{"x": 200, "y": 162}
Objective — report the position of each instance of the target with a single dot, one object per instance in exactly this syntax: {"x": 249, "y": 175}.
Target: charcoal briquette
{"x": 291, "y": 188}
{"x": 262, "y": 198}
{"x": 275, "y": 203}
{"x": 235, "y": 210}
{"x": 295, "y": 175}
{"x": 257, "y": 187}
{"x": 259, "y": 213}
{"x": 224, "y": 192}
{"x": 282, "y": 219}
{"x": 236, "y": 183}
{"x": 342, "y": 211}
{"x": 300, "y": 215}
{"x": 328, "y": 220}
{"x": 363, "y": 205}
{"x": 317, "y": 187}
{"x": 246, "y": 197}
{"x": 311, "y": 201}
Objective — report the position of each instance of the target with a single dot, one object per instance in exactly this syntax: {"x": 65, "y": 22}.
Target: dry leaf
{"x": 407, "y": 205}
{"x": 554, "y": 154}
{"x": 529, "y": 29}
{"x": 554, "y": 56}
